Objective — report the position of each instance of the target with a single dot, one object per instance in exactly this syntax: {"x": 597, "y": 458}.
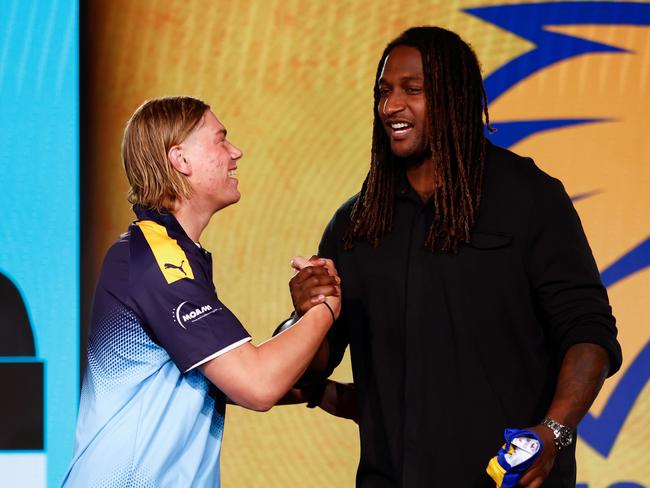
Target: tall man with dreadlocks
{"x": 472, "y": 301}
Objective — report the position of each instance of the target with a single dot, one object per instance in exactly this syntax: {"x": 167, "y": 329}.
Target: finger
{"x": 320, "y": 280}
{"x": 307, "y": 273}
{"x": 328, "y": 291}
{"x": 534, "y": 483}
{"x": 298, "y": 263}
{"x": 317, "y": 261}
{"x": 528, "y": 477}
{"x": 313, "y": 285}
{"x": 329, "y": 264}
{"x": 525, "y": 479}
{"x": 323, "y": 281}
{"x": 299, "y": 276}
{"x": 313, "y": 302}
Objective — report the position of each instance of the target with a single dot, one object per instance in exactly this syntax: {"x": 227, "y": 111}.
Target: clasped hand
{"x": 315, "y": 281}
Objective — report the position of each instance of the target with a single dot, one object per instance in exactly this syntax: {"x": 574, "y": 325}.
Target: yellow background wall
{"x": 292, "y": 81}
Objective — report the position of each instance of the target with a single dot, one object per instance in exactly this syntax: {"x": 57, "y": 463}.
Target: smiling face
{"x": 213, "y": 162}
{"x": 402, "y": 102}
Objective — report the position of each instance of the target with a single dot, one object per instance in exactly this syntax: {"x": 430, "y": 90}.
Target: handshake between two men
{"x": 311, "y": 284}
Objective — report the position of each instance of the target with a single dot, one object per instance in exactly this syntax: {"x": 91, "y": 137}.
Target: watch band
{"x": 562, "y": 435}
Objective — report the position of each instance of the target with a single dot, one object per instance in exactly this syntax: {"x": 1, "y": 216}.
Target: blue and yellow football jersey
{"x": 147, "y": 416}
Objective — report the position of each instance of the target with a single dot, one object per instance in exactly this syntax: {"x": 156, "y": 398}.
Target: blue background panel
{"x": 39, "y": 230}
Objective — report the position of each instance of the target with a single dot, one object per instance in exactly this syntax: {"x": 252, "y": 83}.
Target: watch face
{"x": 566, "y": 439}
{"x": 562, "y": 436}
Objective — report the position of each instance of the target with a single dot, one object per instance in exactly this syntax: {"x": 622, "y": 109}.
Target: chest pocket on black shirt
{"x": 486, "y": 261}
{"x": 489, "y": 240}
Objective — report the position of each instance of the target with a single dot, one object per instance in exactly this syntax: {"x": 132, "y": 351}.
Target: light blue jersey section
{"x": 142, "y": 423}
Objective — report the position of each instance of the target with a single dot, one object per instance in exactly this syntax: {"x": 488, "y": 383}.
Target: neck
{"x": 423, "y": 177}
{"x": 192, "y": 218}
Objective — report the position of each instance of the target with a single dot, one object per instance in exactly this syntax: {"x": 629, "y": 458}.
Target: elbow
{"x": 261, "y": 399}
{"x": 262, "y": 406}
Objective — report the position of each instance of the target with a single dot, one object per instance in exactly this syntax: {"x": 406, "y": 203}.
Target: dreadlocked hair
{"x": 456, "y": 103}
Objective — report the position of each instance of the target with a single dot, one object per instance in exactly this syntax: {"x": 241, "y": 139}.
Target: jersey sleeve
{"x": 184, "y": 316}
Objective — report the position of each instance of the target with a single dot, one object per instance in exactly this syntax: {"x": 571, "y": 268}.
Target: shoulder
{"x": 342, "y": 214}
{"x": 341, "y": 218}
{"x": 156, "y": 256}
{"x": 116, "y": 259}
{"x": 511, "y": 172}
{"x": 515, "y": 190}
{"x": 345, "y": 209}
{"x": 335, "y": 230}
{"x": 113, "y": 281}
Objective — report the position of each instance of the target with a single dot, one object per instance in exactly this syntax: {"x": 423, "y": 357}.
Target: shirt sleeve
{"x": 185, "y": 317}
{"x": 564, "y": 277}
{"x": 338, "y": 335}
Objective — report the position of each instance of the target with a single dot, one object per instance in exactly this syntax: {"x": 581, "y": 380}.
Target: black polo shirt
{"x": 449, "y": 349}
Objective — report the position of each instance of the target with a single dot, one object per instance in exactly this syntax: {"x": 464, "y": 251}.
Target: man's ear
{"x": 178, "y": 160}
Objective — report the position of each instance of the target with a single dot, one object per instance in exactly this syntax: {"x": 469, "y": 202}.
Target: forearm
{"x": 318, "y": 368}
{"x": 313, "y": 392}
{"x": 582, "y": 373}
{"x": 285, "y": 357}
{"x": 338, "y": 399}
{"x": 257, "y": 377}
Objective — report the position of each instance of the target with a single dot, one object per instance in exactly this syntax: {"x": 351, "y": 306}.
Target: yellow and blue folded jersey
{"x": 520, "y": 451}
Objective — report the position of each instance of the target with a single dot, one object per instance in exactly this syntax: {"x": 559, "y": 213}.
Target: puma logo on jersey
{"x": 173, "y": 266}
{"x": 167, "y": 251}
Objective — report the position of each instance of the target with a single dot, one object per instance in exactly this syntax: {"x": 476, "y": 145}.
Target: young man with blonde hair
{"x": 164, "y": 352}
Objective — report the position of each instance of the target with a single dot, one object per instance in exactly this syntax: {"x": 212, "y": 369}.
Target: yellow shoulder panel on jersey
{"x": 169, "y": 255}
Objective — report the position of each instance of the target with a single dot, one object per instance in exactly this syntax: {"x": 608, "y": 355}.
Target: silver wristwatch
{"x": 562, "y": 435}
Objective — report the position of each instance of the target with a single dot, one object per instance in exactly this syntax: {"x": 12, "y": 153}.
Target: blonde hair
{"x": 153, "y": 129}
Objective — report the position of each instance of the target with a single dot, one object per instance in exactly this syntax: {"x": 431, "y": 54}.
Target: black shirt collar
{"x": 404, "y": 190}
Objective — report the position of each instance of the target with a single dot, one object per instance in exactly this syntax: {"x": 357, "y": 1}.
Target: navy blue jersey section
{"x": 184, "y": 316}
